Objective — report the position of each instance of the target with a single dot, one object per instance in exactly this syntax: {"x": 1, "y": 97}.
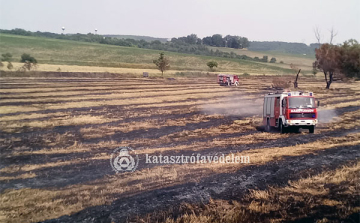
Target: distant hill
{"x": 50, "y": 51}
{"x": 285, "y": 47}
{"x": 146, "y": 38}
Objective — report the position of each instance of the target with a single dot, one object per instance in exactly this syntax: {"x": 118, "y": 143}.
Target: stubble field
{"x": 57, "y": 135}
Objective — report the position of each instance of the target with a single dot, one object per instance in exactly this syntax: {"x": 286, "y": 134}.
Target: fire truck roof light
{"x": 310, "y": 93}
{"x": 289, "y": 94}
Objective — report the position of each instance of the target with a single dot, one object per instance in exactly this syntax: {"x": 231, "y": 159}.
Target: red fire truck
{"x": 228, "y": 80}
{"x": 290, "y": 110}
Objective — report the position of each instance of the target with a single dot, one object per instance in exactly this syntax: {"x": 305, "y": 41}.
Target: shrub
{"x": 246, "y": 74}
{"x": 281, "y": 61}
{"x": 212, "y": 64}
{"x": 273, "y": 60}
{"x": 27, "y": 58}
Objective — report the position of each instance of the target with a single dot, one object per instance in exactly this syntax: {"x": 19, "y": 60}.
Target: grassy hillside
{"x": 304, "y": 62}
{"x": 285, "y": 47}
{"x": 146, "y": 38}
{"x": 65, "y": 52}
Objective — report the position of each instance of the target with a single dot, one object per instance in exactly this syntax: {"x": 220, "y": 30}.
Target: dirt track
{"x": 57, "y": 136}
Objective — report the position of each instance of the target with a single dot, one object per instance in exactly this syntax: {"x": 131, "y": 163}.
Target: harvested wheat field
{"x": 58, "y": 134}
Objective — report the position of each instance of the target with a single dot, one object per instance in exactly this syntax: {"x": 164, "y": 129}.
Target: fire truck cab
{"x": 290, "y": 110}
{"x": 228, "y": 80}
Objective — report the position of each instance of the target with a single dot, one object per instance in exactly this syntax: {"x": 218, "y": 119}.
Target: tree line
{"x": 217, "y": 40}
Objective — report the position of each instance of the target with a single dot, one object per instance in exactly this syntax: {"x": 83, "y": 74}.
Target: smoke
{"x": 242, "y": 107}
{"x": 326, "y": 116}
{"x": 238, "y": 107}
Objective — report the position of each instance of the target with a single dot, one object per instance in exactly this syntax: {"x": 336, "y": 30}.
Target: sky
{"x": 265, "y": 20}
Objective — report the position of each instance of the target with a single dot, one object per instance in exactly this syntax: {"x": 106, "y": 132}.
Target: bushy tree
{"x": 232, "y": 41}
{"x": 207, "y": 41}
{"x": 327, "y": 61}
{"x": 27, "y": 58}
{"x": 162, "y": 63}
{"x": 29, "y": 62}
{"x": 245, "y": 43}
{"x": 217, "y": 40}
{"x": 191, "y": 39}
{"x": 273, "y": 60}
{"x": 212, "y": 64}
{"x": 349, "y": 57}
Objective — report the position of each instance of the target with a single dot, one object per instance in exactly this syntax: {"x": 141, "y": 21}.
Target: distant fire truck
{"x": 228, "y": 80}
{"x": 290, "y": 109}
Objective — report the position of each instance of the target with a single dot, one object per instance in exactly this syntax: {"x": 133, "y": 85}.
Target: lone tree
{"x": 29, "y": 62}
{"x": 212, "y": 64}
{"x": 162, "y": 63}
{"x": 27, "y": 58}
{"x": 338, "y": 60}
{"x": 327, "y": 61}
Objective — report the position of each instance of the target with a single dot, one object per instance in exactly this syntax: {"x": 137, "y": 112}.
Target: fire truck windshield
{"x": 301, "y": 102}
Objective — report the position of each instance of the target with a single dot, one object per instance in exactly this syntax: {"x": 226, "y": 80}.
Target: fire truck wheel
{"x": 312, "y": 129}
{"x": 282, "y": 128}
{"x": 267, "y": 127}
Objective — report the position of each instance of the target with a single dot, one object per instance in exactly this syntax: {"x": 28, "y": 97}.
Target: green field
{"x": 303, "y": 62}
{"x": 64, "y": 52}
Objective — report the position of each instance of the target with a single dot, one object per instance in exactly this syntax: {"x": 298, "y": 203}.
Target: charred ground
{"x": 57, "y": 135}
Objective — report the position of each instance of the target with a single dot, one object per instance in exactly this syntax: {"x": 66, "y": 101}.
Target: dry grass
{"x": 305, "y": 198}
{"x": 13, "y": 127}
{"x": 121, "y": 95}
{"x": 281, "y": 83}
{"x": 22, "y": 176}
{"x": 160, "y": 101}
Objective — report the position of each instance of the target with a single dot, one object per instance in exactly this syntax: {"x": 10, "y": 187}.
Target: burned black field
{"x": 57, "y": 136}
